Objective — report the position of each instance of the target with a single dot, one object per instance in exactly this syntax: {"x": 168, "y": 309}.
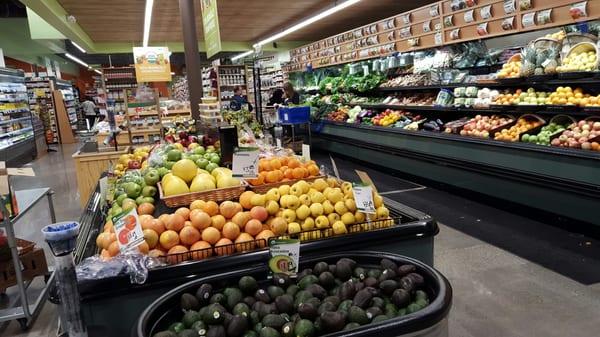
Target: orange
{"x": 201, "y": 250}
{"x": 189, "y": 235}
{"x": 110, "y": 238}
{"x": 197, "y": 204}
{"x": 145, "y": 209}
{"x": 264, "y": 165}
{"x": 231, "y": 231}
{"x": 156, "y": 253}
{"x": 175, "y": 222}
{"x": 178, "y": 253}
{"x": 264, "y": 175}
{"x": 310, "y": 162}
{"x": 224, "y": 247}
{"x": 228, "y": 209}
{"x": 253, "y": 227}
{"x": 283, "y": 168}
{"x": 164, "y": 218}
{"x": 284, "y": 161}
{"x": 313, "y": 170}
{"x": 293, "y": 163}
{"x": 169, "y": 239}
{"x": 289, "y": 174}
{"x": 113, "y": 248}
{"x": 264, "y": 235}
{"x": 100, "y": 240}
{"x": 258, "y": 181}
{"x": 211, "y": 208}
{"x": 211, "y": 235}
{"x": 275, "y": 164}
{"x": 143, "y": 248}
{"x": 109, "y": 228}
{"x": 280, "y": 175}
{"x": 142, "y": 217}
{"x": 245, "y": 199}
{"x": 200, "y": 219}
{"x": 151, "y": 237}
{"x": 105, "y": 254}
{"x": 272, "y": 176}
{"x": 184, "y": 212}
{"x": 298, "y": 173}
{"x": 244, "y": 242}
{"x": 218, "y": 221}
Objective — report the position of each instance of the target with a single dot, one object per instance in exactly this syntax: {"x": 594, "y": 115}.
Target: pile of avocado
{"x": 322, "y": 300}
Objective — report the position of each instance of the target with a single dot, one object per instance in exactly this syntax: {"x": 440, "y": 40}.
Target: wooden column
{"x": 192, "y": 55}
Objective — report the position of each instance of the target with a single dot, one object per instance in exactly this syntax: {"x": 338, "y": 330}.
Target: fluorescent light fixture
{"x": 98, "y": 71}
{"x": 78, "y": 47}
{"x": 172, "y": 73}
{"x": 239, "y": 56}
{"x": 307, "y": 22}
{"x": 77, "y": 60}
{"x": 147, "y": 21}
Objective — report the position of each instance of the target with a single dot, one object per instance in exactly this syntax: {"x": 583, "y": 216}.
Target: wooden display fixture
{"x": 147, "y": 133}
{"x": 225, "y": 81}
{"x": 65, "y": 132}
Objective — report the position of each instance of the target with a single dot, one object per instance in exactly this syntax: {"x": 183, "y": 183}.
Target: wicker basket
{"x": 584, "y": 47}
{"x": 216, "y": 195}
{"x": 266, "y": 187}
{"x": 23, "y": 247}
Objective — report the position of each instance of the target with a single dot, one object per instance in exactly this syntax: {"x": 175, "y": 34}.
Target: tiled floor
{"x": 503, "y": 276}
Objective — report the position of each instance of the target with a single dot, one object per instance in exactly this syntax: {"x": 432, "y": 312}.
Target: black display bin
{"x": 104, "y": 300}
{"x": 430, "y": 321}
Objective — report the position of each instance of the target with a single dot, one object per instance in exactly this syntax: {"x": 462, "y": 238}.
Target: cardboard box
{"x": 7, "y": 195}
{"x": 33, "y": 264}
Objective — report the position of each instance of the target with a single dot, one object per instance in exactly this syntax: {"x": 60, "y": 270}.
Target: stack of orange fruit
{"x": 278, "y": 169}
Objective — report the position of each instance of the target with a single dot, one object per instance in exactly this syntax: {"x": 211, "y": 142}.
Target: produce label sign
{"x": 245, "y": 162}
{"x": 152, "y": 64}
{"x": 210, "y": 22}
{"x": 284, "y": 256}
{"x": 363, "y": 195}
{"x": 128, "y": 229}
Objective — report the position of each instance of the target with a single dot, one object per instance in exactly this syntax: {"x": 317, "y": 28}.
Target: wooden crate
{"x": 34, "y": 264}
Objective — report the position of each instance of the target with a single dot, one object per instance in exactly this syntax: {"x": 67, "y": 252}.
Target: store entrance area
{"x": 511, "y": 274}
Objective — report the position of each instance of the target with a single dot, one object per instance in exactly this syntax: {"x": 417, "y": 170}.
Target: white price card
{"x": 363, "y": 196}
{"x": 306, "y": 152}
{"x": 245, "y": 162}
{"x": 284, "y": 256}
{"x": 128, "y": 230}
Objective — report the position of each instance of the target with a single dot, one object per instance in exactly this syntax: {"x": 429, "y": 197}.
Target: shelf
{"x": 144, "y": 131}
{"x": 519, "y": 109}
{"x": 16, "y": 132}
{"x": 14, "y": 120}
{"x": 146, "y": 113}
{"x": 178, "y": 112}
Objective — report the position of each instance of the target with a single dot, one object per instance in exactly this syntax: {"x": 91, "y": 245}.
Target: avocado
{"x": 334, "y": 291}
{"x": 391, "y": 310}
{"x": 275, "y": 291}
{"x": 351, "y": 262}
{"x": 199, "y": 327}
{"x": 405, "y": 270}
{"x": 249, "y": 300}
{"x": 360, "y": 273}
{"x": 351, "y": 326}
{"x": 303, "y": 273}
{"x": 204, "y": 293}
{"x": 248, "y": 284}
{"x": 343, "y": 270}
{"x": 266, "y": 309}
{"x": 262, "y": 296}
{"x": 347, "y": 291}
{"x": 302, "y": 296}
{"x": 307, "y": 280}
{"x": 268, "y": 332}
{"x": 295, "y": 318}
{"x": 314, "y": 301}
{"x": 177, "y": 327}
{"x": 388, "y": 264}
{"x": 273, "y": 321}
{"x": 254, "y": 317}
{"x": 413, "y": 307}
{"x": 358, "y": 286}
{"x": 401, "y": 312}
{"x": 189, "y": 302}
{"x": 282, "y": 280}
{"x": 388, "y": 287}
{"x": 332, "y": 268}
{"x": 357, "y": 315}
{"x": 375, "y": 273}
{"x": 379, "y": 318}
{"x": 362, "y": 299}
{"x": 165, "y": 333}
{"x": 387, "y": 274}
{"x": 233, "y": 295}
{"x": 317, "y": 291}
{"x": 227, "y": 317}
{"x": 241, "y": 309}
{"x": 285, "y": 303}
{"x": 292, "y": 290}
{"x": 304, "y": 328}
{"x": 326, "y": 306}
{"x": 333, "y": 299}
{"x": 377, "y": 302}
{"x": 320, "y": 267}
{"x": 214, "y": 314}
{"x": 218, "y": 298}
{"x": 216, "y": 331}
{"x": 307, "y": 311}
{"x": 250, "y": 333}
{"x": 418, "y": 280}
{"x": 326, "y": 279}
{"x": 190, "y": 317}
{"x": 187, "y": 333}
{"x": 345, "y": 305}
{"x": 407, "y": 284}
{"x": 332, "y": 321}
{"x": 288, "y": 329}
{"x": 373, "y": 312}
{"x": 421, "y": 295}
{"x": 371, "y": 282}
{"x": 400, "y": 298}
{"x": 422, "y": 303}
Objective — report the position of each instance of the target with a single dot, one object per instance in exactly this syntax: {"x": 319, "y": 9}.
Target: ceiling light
{"x": 78, "y": 47}
{"x": 77, "y": 60}
{"x": 307, "y": 22}
{"x": 239, "y": 56}
{"x": 147, "y": 21}
{"x": 98, "y": 71}
{"x": 172, "y": 73}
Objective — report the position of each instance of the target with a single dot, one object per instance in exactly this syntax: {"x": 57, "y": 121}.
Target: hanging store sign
{"x": 152, "y": 64}
{"x": 210, "y": 22}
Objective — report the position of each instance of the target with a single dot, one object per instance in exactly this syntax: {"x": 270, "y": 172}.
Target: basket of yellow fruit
{"x": 511, "y": 70}
{"x": 581, "y": 61}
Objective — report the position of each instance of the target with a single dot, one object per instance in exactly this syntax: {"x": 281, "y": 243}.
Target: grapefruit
{"x": 189, "y": 235}
{"x": 175, "y": 222}
{"x": 168, "y": 239}
{"x": 253, "y": 227}
{"x": 201, "y": 250}
{"x": 231, "y": 231}
{"x": 184, "y": 212}
{"x": 151, "y": 238}
{"x": 244, "y": 242}
{"x": 224, "y": 247}
{"x": 200, "y": 219}
{"x": 185, "y": 169}
{"x": 211, "y": 235}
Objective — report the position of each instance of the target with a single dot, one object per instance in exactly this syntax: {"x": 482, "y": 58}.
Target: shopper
{"x": 89, "y": 109}
{"x": 238, "y": 101}
{"x": 276, "y": 97}
{"x": 290, "y": 95}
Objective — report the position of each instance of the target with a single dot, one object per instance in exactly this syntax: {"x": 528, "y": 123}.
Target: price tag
{"x": 438, "y": 38}
{"x": 363, "y": 196}
{"x": 434, "y": 11}
{"x": 245, "y": 162}
{"x": 128, "y": 230}
{"x": 306, "y": 152}
{"x": 509, "y": 6}
{"x": 284, "y": 256}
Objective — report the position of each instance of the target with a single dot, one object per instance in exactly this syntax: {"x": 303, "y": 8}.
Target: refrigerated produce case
{"x": 102, "y": 300}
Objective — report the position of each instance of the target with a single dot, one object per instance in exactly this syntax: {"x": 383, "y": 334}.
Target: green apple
{"x": 169, "y": 164}
{"x": 149, "y": 200}
{"x": 149, "y": 191}
{"x": 133, "y": 190}
{"x": 152, "y": 177}
{"x": 162, "y": 171}
{"x": 139, "y": 200}
{"x": 194, "y": 157}
{"x": 211, "y": 166}
{"x": 174, "y": 155}
{"x": 215, "y": 158}
{"x": 199, "y": 150}
{"x": 202, "y": 162}
{"x": 120, "y": 199}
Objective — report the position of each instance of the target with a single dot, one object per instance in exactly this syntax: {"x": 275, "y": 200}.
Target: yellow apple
{"x": 293, "y": 202}
{"x": 302, "y": 212}
{"x": 377, "y": 200}
{"x": 316, "y": 210}
{"x": 333, "y": 217}
{"x": 272, "y": 207}
{"x": 359, "y": 217}
{"x": 294, "y": 228}
{"x": 320, "y": 184}
{"x": 273, "y": 194}
{"x": 289, "y": 215}
{"x": 258, "y": 200}
{"x": 383, "y": 212}
{"x": 284, "y": 190}
{"x": 317, "y": 197}
{"x": 350, "y": 205}
{"x": 322, "y": 222}
{"x": 348, "y": 218}
{"x": 327, "y": 207}
{"x": 305, "y": 199}
{"x": 308, "y": 224}
{"x": 339, "y": 228}
{"x": 340, "y": 207}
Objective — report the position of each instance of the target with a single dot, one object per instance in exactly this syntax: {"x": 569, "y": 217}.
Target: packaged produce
{"x": 444, "y": 98}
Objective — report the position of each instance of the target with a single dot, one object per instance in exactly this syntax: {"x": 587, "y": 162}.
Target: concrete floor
{"x": 497, "y": 291}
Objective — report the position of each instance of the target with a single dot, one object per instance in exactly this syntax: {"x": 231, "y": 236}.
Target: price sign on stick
{"x": 284, "y": 256}
{"x": 245, "y": 163}
{"x": 363, "y": 196}
{"x": 128, "y": 230}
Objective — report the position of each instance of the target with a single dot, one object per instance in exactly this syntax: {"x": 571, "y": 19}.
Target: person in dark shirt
{"x": 290, "y": 95}
{"x": 238, "y": 101}
{"x": 276, "y": 97}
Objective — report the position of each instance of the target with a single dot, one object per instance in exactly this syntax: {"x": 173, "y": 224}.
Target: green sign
{"x": 210, "y": 22}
